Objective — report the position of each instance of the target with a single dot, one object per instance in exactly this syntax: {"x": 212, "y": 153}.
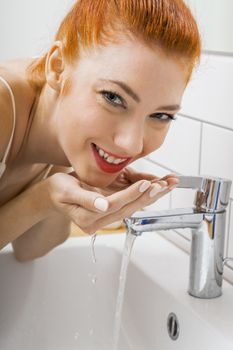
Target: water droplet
{"x": 93, "y": 238}
{"x": 76, "y": 335}
{"x": 94, "y": 279}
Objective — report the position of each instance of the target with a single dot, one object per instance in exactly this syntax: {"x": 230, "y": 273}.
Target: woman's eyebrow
{"x": 169, "y": 108}
{"x": 136, "y": 98}
{"x": 125, "y": 87}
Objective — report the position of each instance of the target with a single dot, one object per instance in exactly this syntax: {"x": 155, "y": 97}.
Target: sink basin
{"x": 64, "y": 301}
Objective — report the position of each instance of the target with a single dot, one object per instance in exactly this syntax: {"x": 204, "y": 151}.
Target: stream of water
{"x": 122, "y": 282}
{"x": 129, "y": 241}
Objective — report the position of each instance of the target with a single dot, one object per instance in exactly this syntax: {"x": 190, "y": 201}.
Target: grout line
{"x": 217, "y": 53}
{"x": 230, "y": 268}
{"x": 200, "y": 149}
{"x": 162, "y": 166}
{"x": 172, "y": 241}
{"x": 204, "y": 122}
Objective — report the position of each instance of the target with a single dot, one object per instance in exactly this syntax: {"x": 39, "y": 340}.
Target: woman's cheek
{"x": 153, "y": 140}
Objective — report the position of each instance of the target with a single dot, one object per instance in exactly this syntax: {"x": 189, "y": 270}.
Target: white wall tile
{"x": 183, "y": 198}
{"x": 209, "y": 94}
{"x": 28, "y": 27}
{"x": 146, "y": 166}
{"x": 180, "y": 150}
{"x": 208, "y": 98}
{"x": 217, "y": 147}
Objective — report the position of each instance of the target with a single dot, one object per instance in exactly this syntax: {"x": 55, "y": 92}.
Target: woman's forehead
{"x": 129, "y": 58}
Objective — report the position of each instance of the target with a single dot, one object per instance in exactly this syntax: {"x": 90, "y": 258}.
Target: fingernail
{"x": 156, "y": 189}
{"x": 163, "y": 183}
{"x": 101, "y": 204}
{"x": 144, "y": 186}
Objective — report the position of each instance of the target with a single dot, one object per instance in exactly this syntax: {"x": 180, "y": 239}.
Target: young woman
{"x": 73, "y": 120}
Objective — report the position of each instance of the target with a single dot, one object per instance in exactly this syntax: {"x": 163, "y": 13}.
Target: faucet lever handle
{"x": 195, "y": 182}
{"x": 213, "y": 193}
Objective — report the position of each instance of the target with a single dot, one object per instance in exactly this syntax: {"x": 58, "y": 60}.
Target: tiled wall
{"x": 199, "y": 142}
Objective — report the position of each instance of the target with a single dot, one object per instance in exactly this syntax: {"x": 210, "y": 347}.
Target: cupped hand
{"x": 129, "y": 176}
{"x": 121, "y": 199}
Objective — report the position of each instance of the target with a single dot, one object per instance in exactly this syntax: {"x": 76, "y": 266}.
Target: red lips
{"x": 107, "y": 167}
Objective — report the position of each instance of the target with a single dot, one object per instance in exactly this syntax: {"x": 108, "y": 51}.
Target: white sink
{"x": 64, "y": 301}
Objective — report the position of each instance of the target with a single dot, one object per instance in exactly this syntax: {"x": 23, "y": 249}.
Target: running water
{"x": 129, "y": 240}
{"x": 122, "y": 281}
{"x": 93, "y": 238}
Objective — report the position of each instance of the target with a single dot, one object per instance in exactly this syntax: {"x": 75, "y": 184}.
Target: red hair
{"x": 168, "y": 24}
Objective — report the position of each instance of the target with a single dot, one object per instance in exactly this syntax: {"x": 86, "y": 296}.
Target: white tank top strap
{"x": 47, "y": 171}
{"x": 3, "y": 161}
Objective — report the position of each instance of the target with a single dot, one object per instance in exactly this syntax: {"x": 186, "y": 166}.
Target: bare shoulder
{"x": 14, "y": 73}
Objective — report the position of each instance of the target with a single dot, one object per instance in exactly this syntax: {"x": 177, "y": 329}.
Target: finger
{"x": 84, "y": 213}
{"x": 95, "y": 221}
{"x": 171, "y": 179}
{"x": 119, "y": 199}
{"x": 134, "y": 175}
{"x": 90, "y": 200}
{"x": 128, "y": 209}
{"x": 133, "y": 192}
{"x": 139, "y": 204}
{"x": 155, "y": 193}
{"x": 165, "y": 190}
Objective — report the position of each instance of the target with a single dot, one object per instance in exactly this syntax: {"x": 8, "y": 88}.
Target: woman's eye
{"x": 163, "y": 117}
{"x": 113, "y": 98}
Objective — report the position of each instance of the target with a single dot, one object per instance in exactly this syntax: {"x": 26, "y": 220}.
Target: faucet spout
{"x": 148, "y": 221}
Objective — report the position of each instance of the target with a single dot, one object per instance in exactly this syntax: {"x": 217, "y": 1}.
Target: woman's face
{"x": 121, "y": 100}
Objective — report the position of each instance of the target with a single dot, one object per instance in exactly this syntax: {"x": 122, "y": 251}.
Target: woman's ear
{"x": 54, "y": 66}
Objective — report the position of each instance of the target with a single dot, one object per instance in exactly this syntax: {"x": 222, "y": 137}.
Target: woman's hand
{"x": 91, "y": 210}
{"x": 129, "y": 176}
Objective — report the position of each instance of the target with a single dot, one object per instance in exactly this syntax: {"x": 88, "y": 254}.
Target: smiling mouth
{"x": 111, "y": 157}
{"x": 107, "y": 161}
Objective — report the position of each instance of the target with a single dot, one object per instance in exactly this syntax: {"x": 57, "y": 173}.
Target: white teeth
{"x": 101, "y": 152}
{"x": 113, "y": 160}
{"x": 117, "y": 161}
{"x": 108, "y": 158}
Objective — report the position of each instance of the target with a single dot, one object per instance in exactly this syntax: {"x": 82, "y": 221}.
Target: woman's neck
{"x": 41, "y": 143}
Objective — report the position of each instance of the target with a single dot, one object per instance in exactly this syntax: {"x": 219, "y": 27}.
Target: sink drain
{"x": 173, "y": 326}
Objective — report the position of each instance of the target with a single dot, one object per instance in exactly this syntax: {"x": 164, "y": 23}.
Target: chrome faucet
{"x": 207, "y": 220}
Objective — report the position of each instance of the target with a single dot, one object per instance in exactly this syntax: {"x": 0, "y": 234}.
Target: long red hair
{"x": 168, "y": 24}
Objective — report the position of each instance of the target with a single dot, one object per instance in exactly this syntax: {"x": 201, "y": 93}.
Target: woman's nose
{"x": 130, "y": 140}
